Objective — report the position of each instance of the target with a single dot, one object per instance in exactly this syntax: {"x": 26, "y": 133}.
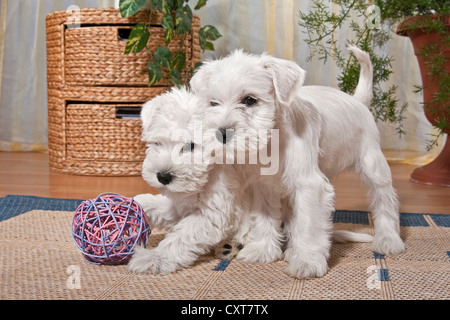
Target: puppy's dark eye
{"x": 213, "y": 103}
{"x": 153, "y": 144}
{"x": 188, "y": 147}
{"x": 249, "y": 101}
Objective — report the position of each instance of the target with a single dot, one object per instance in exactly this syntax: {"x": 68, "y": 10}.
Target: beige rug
{"x": 39, "y": 260}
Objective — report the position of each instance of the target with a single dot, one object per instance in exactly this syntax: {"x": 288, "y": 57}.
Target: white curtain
{"x": 254, "y": 25}
{"x": 23, "y": 82}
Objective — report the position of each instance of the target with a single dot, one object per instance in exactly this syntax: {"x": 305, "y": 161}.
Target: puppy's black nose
{"x": 224, "y": 135}
{"x": 164, "y": 177}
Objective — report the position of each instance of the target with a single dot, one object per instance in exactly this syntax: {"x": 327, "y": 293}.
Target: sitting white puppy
{"x": 322, "y": 132}
{"x": 197, "y": 201}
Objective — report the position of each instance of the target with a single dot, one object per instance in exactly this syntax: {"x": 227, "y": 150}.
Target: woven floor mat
{"x": 39, "y": 260}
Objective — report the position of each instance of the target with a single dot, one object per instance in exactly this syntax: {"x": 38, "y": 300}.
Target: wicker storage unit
{"x": 94, "y": 88}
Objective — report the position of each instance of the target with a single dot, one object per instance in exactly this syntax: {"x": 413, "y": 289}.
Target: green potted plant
{"x": 381, "y": 18}
{"x": 427, "y": 25}
{"x": 176, "y": 21}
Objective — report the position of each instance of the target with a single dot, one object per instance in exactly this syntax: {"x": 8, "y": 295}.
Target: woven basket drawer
{"x": 93, "y": 132}
{"x": 95, "y": 56}
{"x": 89, "y": 78}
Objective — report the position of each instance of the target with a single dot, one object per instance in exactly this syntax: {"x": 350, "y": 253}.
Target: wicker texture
{"x": 88, "y": 77}
{"x": 94, "y": 133}
{"x": 38, "y": 253}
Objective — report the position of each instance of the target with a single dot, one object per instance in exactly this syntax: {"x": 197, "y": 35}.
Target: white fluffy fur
{"x": 322, "y": 132}
{"x": 198, "y": 206}
{"x": 205, "y": 203}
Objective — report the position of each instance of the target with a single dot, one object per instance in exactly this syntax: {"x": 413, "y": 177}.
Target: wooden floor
{"x": 29, "y": 174}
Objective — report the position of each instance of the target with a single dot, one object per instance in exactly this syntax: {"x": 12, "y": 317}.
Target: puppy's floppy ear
{"x": 200, "y": 78}
{"x": 286, "y": 75}
{"x": 148, "y": 111}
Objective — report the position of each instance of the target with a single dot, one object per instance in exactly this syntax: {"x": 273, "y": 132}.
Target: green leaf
{"x": 176, "y": 77}
{"x": 138, "y": 39}
{"x": 179, "y": 3}
{"x": 130, "y": 7}
{"x": 167, "y": 21}
{"x": 202, "y": 39}
{"x": 163, "y": 57}
{"x": 183, "y": 20}
{"x": 154, "y": 73}
{"x": 208, "y": 33}
{"x": 168, "y": 36}
{"x": 178, "y": 61}
{"x": 200, "y": 4}
{"x": 166, "y": 6}
{"x": 211, "y": 33}
{"x": 209, "y": 46}
{"x": 168, "y": 25}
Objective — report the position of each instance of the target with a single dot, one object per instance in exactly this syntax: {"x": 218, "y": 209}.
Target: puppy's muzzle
{"x": 164, "y": 178}
{"x": 224, "y": 135}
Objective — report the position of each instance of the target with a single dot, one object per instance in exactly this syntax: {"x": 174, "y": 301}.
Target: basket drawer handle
{"x": 128, "y": 113}
{"x": 123, "y": 34}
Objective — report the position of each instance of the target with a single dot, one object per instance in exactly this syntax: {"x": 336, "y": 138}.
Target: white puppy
{"x": 322, "y": 132}
{"x": 202, "y": 202}
{"x": 197, "y": 201}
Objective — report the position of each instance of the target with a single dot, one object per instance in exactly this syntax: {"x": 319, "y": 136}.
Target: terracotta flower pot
{"x": 438, "y": 171}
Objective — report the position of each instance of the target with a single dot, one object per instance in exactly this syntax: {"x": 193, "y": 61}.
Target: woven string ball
{"x": 107, "y": 228}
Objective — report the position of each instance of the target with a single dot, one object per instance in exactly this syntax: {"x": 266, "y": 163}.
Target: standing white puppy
{"x": 322, "y": 132}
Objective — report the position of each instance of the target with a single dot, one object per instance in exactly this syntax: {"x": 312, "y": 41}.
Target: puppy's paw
{"x": 152, "y": 261}
{"x": 260, "y": 252}
{"x": 153, "y": 204}
{"x": 388, "y": 244}
{"x": 228, "y": 250}
{"x": 305, "y": 266}
{"x": 146, "y": 200}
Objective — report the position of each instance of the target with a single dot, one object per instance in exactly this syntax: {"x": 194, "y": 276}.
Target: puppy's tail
{"x": 348, "y": 236}
{"x": 364, "y": 89}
